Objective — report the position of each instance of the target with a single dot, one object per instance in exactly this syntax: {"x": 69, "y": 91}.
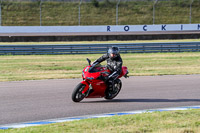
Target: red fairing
{"x": 92, "y": 78}
{"x": 99, "y": 88}
{"x": 124, "y": 71}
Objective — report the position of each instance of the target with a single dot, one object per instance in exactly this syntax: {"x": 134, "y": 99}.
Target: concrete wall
{"x": 104, "y": 28}
{"x": 98, "y": 33}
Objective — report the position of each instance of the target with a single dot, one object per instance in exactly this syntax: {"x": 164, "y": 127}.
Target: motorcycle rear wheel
{"x": 112, "y": 94}
{"x": 77, "y": 94}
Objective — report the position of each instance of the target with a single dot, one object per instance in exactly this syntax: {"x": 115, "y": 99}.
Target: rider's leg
{"x": 111, "y": 80}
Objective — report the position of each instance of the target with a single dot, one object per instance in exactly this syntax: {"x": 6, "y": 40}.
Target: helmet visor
{"x": 113, "y": 52}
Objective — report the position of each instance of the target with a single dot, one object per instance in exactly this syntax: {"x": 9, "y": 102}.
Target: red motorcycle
{"x": 93, "y": 84}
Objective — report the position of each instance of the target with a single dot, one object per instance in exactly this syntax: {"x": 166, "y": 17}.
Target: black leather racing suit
{"x": 113, "y": 64}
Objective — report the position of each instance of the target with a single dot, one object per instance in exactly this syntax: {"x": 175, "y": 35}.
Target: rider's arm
{"x": 118, "y": 66}
{"x": 117, "y": 70}
{"x": 101, "y": 59}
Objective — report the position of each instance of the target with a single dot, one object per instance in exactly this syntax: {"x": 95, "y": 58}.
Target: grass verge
{"x": 187, "y": 121}
{"x": 37, "y": 67}
{"x": 26, "y": 13}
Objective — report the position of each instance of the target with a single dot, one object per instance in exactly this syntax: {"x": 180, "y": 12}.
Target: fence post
{"x": 117, "y": 12}
{"x": 0, "y": 14}
{"x": 154, "y": 4}
{"x": 40, "y": 12}
{"x": 191, "y": 11}
{"x": 79, "y": 13}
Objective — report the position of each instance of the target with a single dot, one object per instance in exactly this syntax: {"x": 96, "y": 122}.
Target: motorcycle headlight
{"x": 83, "y": 74}
{"x": 90, "y": 78}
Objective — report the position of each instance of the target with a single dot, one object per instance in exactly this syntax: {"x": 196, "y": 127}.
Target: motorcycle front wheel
{"x": 110, "y": 94}
{"x": 77, "y": 94}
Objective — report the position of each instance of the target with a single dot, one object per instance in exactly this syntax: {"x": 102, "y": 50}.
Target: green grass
{"x": 37, "y": 67}
{"x": 158, "y": 122}
{"x": 130, "y": 13}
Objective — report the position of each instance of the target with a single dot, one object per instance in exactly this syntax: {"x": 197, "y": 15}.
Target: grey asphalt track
{"x": 23, "y": 101}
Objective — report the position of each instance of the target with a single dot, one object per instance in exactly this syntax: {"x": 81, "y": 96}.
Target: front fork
{"x": 88, "y": 88}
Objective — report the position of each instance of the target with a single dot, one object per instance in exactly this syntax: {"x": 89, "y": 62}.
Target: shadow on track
{"x": 142, "y": 100}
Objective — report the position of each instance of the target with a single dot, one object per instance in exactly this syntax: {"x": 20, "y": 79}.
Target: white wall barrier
{"x": 104, "y": 28}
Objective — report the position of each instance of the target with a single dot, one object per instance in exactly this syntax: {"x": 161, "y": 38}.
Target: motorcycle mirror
{"x": 89, "y": 61}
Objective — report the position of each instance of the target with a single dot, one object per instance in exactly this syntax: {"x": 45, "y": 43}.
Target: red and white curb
{"x": 37, "y": 123}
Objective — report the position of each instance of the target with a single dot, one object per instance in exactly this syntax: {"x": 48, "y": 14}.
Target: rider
{"x": 114, "y": 64}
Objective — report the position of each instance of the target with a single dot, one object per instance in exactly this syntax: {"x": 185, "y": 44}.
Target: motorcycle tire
{"x": 77, "y": 94}
{"x": 110, "y": 94}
